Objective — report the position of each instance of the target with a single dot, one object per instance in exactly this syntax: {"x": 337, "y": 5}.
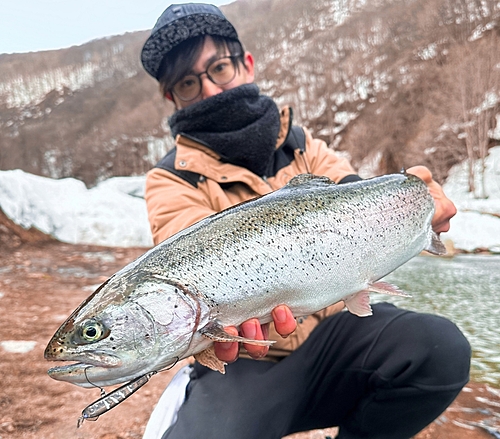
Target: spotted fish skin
{"x": 308, "y": 245}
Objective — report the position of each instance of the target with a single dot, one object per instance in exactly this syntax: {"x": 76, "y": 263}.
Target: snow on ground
{"x": 477, "y": 223}
{"x": 114, "y": 212}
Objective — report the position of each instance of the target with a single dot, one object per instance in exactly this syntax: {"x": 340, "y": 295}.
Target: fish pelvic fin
{"x": 215, "y": 331}
{"x": 209, "y": 359}
{"x": 436, "y": 247}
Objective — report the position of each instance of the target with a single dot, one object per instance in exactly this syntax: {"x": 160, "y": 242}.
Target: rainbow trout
{"x": 309, "y": 245}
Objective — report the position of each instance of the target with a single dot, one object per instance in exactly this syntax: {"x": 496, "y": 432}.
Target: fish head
{"x": 130, "y": 326}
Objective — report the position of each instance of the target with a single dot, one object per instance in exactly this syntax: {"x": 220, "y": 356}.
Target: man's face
{"x": 245, "y": 74}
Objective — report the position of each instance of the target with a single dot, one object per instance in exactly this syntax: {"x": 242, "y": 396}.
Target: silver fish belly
{"x": 308, "y": 245}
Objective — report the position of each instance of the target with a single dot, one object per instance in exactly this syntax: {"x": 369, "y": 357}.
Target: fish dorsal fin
{"x": 215, "y": 331}
{"x": 209, "y": 359}
{"x": 436, "y": 247}
{"x": 303, "y": 179}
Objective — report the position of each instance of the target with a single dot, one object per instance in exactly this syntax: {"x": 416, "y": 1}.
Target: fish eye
{"x": 92, "y": 331}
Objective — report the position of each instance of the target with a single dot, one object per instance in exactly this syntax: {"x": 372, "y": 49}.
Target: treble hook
{"x": 111, "y": 400}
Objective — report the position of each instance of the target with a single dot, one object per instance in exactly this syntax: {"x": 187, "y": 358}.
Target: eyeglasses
{"x": 221, "y": 72}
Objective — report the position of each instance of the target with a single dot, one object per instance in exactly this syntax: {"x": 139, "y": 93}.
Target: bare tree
{"x": 478, "y": 83}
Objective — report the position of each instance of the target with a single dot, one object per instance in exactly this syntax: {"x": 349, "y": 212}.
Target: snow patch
{"x": 477, "y": 223}
{"x": 114, "y": 212}
{"x": 18, "y": 346}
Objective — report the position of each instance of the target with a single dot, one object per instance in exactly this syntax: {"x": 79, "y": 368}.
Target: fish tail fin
{"x": 436, "y": 247}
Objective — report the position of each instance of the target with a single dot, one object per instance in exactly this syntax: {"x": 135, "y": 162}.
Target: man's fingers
{"x": 284, "y": 321}
{"x": 252, "y": 329}
{"x": 421, "y": 172}
{"x": 444, "y": 207}
{"x": 227, "y": 352}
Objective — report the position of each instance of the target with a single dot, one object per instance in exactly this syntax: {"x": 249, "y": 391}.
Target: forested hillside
{"x": 392, "y": 83}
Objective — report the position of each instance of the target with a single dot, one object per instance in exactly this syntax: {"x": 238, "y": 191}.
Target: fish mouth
{"x": 87, "y": 375}
{"x": 80, "y": 372}
{"x": 68, "y": 370}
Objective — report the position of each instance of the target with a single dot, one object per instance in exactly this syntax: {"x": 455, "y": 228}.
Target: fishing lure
{"x": 111, "y": 400}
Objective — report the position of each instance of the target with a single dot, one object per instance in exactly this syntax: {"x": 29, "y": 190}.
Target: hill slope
{"x": 390, "y": 82}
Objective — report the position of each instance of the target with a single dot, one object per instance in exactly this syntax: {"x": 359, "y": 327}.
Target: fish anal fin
{"x": 209, "y": 359}
{"x": 215, "y": 331}
{"x": 386, "y": 288}
{"x": 436, "y": 247}
{"x": 359, "y": 303}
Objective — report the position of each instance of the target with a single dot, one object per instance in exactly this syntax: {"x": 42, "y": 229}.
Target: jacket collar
{"x": 194, "y": 156}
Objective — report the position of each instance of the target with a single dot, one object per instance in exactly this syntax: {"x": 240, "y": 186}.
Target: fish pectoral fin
{"x": 359, "y": 303}
{"x": 387, "y": 288}
{"x": 436, "y": 247}
{"x": 209, "y": 359}
{"x": 215, "y": 331}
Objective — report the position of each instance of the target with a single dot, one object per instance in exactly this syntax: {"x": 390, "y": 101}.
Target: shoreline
{"x": 41, "y": 282}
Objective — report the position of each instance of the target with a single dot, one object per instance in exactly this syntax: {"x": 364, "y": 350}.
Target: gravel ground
{"x": 42, "y": 281}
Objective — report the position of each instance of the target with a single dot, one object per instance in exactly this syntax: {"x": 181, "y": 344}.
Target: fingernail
{"x": 280, "y": 315}
{"x": 250, "y": 331}
{"x": 225, "y": 346}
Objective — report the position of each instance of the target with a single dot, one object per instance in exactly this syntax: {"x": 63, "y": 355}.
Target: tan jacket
{"x": 174, "y": 204}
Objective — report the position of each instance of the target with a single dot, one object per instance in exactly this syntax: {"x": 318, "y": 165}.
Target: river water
{"x": 465, "y": 289}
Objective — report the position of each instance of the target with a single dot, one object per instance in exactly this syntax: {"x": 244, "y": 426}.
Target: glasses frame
{"x": 234, "y": 61}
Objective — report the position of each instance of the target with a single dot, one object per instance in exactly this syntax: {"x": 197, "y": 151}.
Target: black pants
{"x": 385, "y": 376}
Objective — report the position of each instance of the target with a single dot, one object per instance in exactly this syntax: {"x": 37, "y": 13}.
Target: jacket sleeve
{"x": 173, "y": 204}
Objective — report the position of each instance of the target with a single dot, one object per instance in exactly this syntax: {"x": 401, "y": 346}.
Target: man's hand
{"x": 284, "y": 323}
{"x": 445, "y": 209}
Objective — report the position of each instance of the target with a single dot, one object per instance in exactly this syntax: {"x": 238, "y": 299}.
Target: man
{"x": 384, "y": 376}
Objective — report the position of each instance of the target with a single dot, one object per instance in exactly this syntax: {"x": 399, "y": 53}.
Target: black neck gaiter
{"x": 240, "y": 125}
